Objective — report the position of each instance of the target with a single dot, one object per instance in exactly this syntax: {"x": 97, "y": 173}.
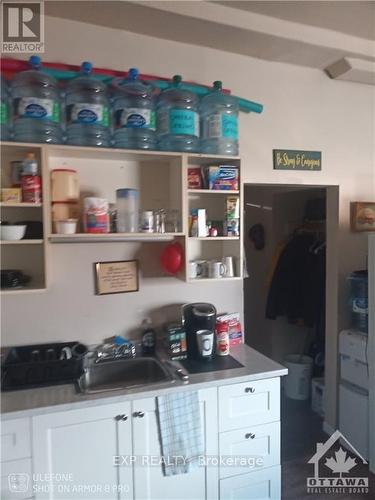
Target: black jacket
{"x": 298, "y": 285}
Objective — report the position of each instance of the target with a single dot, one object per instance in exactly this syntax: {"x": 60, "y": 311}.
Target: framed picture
{"x": 362, "y": 215}
{"x": 120, "y": 276}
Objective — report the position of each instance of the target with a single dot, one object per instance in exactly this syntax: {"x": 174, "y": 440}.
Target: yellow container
{"x": 11, "y": 195}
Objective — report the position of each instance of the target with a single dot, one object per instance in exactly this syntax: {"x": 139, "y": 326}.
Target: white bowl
{"x": 12, "y": 232}
{"x": 66, "y": 226}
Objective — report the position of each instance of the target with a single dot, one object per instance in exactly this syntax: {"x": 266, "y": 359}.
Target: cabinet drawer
{"x": 16, "y": 480}
{"x": 248, "y": 404}
{"x": 15, "y": 439}
{"x": 255, "y": 447}
{"x": 261, "y": 485}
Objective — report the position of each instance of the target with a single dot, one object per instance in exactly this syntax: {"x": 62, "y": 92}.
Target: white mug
{"x": 205, "y": 341}
{"x": 216, "y": 269}
{"x": 197, "y": 268}
{"x": 229, "y": 264}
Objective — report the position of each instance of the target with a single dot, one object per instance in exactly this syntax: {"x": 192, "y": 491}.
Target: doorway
{"x": 277, "y": 215}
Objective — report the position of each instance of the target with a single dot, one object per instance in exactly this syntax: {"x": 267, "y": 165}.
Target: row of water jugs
{"x": 128, "y": 115}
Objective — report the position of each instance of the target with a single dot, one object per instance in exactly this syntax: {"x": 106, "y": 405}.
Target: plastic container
{"x": 66, "y": 226}
{"x": 36, "y": 106}
{"x": 65, "y": 210}
{"x": 127, "y": 210}
{"x": 177, "y": 118}
{"x": 4, "y": 111}
{"x": 95, "y": 215}
{"x": 87, "y": 110}
{"x": 133, "y": 113}
{"x": 358, "y": 300}
{"x": 64, "y": 185}
{"x": 219, "y": 122}
{"x": 298, "y": 381}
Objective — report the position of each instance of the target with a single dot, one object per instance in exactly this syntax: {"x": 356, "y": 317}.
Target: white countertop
{"x": 29, "y": 402}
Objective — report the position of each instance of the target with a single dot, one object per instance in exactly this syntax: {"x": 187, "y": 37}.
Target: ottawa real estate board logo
{"x": 335, "y": 468}
{"x": 22, "y": 27}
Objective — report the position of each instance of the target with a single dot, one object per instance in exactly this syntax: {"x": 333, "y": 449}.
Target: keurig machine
{"x": 199, "y": 320}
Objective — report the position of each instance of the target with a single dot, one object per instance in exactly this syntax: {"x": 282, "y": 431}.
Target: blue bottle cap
{"x": 86, "y": 67}
{"x": 133, "y": 73}
{"x": 35, "y": 62}
{"x": 177, "y": 79}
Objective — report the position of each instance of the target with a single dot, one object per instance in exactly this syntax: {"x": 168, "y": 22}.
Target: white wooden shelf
{"x": 161, "y": 178}
{"x": 214, "y": 238}
{"x": 213, "y": 191}
{"x": 112, "y": 237}
{"x": 208, "y": 280}
{"x": 32, "y": 288}
{"x": 20, "y": 205}
{"x": 21, "y": 242}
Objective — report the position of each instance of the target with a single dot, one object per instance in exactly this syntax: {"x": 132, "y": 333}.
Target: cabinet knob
{"x": 139, "y": 414}
{"x": 122, "y": 418}
{"x": 249, "y": 435}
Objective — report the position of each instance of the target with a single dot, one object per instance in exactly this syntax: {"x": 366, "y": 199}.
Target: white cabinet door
{"x": 200, "y": 483}
{"x": 15, "y": 439}
{"x": 251, "y": 449}
{"x": 249, "y": 403}
{"x": 260, "y": 485}
{"x": 74, "y": 453}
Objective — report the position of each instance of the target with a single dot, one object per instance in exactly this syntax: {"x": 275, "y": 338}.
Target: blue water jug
{"x": 87, "y": 110}
{"x": 36, "y": 105}
{"x": 177, "y": 118}
{"x": 219, "y": 122}
{"x": 4, "y": 115}
{"x": 133, "y": 112}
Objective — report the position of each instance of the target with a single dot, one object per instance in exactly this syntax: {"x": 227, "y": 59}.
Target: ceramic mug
{"x": 205, "y": 341}
{"x": 197, "y": 268}
{"x": 216, "y": 269}
{"x": 229, "y": 264}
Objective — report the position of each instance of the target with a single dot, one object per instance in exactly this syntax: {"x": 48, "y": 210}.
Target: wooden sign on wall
{"x": 289, "y": 159}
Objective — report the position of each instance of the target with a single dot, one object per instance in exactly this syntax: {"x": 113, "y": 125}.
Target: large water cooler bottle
{"x": 36, "y": 105}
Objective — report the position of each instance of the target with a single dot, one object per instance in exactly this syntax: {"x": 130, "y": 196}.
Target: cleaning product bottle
{"x": 36, "y": 105}
{"x": 219, "y": 122}
{"x": 148, "y": 338}
{"x": 87, "y": 110}
{"x": 133, "y": 112}
{"x": 177, "y": 118}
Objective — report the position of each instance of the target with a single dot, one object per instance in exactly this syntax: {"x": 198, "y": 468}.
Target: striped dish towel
{"x": 180, "y": 432}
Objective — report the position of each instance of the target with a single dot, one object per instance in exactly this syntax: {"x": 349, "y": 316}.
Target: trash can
{"x": 298, "y": 381}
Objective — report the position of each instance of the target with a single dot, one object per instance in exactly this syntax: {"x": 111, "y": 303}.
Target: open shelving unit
{"x": 161, "y": 178}
{"x": 27, "y": 255}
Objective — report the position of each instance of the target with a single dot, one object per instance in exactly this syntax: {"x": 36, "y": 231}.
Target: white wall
{"x": 303, "y": 110}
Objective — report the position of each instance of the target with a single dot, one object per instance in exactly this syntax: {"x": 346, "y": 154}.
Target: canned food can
{"x": 222, "y": 338}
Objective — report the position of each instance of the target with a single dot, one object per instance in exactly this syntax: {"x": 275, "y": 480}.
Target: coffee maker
{"x": 200, "y": 317}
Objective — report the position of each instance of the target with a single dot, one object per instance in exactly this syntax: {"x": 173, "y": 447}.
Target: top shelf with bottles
{"x": 113, "y": 153}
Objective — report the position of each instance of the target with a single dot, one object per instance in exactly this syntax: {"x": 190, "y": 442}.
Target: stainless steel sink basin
{"x": 123, "y": 374}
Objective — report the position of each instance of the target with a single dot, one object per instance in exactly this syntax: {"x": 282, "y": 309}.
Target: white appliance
{"x": 353, "y": 358}
{"x": 354, "y": 421}
{"x": 353, "y": 391}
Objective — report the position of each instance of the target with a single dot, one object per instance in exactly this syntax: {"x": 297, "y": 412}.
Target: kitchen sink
{"x": 123, "y": 374}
